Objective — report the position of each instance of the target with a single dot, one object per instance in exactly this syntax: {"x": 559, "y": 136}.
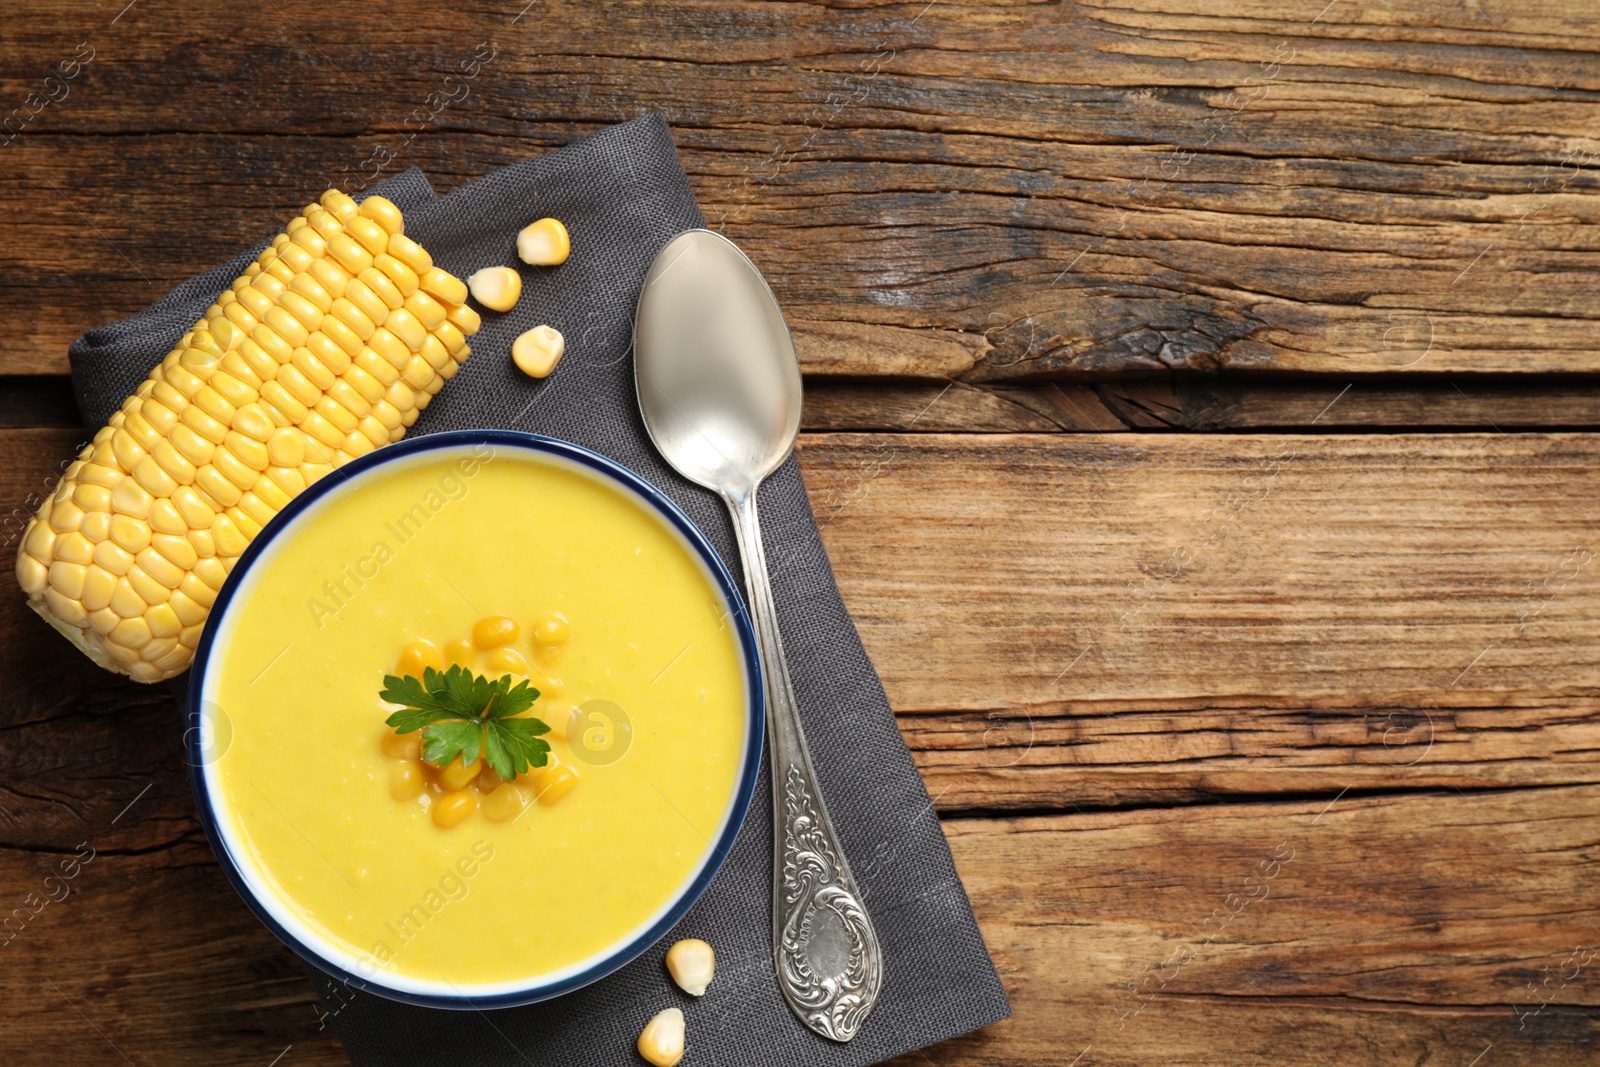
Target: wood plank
{"x": 1208, "y": 403}
{"x": 1127, "y": 619}
{"x": 1111, "y": 620}
{"x": 999, "y": 191}
{"x": 1133, "y": 937}
{"x": 1393, "y": 930}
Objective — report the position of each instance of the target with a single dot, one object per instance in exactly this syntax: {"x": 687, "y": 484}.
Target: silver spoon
{"x": 719, "y": 388}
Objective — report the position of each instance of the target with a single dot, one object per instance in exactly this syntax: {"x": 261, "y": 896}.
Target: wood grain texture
{"x": 989, "y": 191}
{"x": 1117, "y": 619}
{"x": 1130, "y": 938}
{"x": 1164, "y": 937}
{"x": 1207, "y": 403}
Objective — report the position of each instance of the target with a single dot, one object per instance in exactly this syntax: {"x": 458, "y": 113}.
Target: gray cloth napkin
{"x": 623, "y": 195}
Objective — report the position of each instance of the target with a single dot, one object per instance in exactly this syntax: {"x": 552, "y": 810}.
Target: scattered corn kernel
{"x": 452, "y": 809}
{"x": 692, "y": 965}
{"x": 494, "y": 631}
{"x": 661, "y": 1042}
{"x": 253, "y": 404}
{"x": 544, "y": 243}
{"x": 459, "y": 653}
{"x": 551, "y": 630}
{"x": 406, "y": 781}
{"x": 496, "y": 288}
{"x": 537, "y": 352}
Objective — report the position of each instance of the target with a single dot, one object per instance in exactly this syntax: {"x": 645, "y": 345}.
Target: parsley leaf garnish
{"x": 461, "y": 713}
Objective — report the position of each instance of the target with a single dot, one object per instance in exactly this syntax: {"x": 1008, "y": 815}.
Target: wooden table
{"x": 1201, "y": 418}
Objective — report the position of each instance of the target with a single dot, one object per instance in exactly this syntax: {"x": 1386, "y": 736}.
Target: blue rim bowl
{"x": 201, "y": 738}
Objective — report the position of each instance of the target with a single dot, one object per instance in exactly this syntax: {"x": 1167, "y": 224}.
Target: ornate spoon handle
{"x": 829, "y": 963}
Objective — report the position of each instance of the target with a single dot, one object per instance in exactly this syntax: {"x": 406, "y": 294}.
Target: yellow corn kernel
{"x": 339, "y": 204}
{"x": 419, "y": 375}
{"x": 309, "y": 239}
{"x": 692, "y": 964}
{"x": 402, "y": 746}
{"x": 173, "y": 463}
{"x": 427, "y": 310}
{"x": 65, "y": 517}
{"x": 373, "y": 237}
{"x": 453, "y": 809}
{"x": 405, "y": 326}
{"x": 459, "y": 653}
{"x": 544, "y": 243}
{"x": 455, "y": 342}
{"x": 661, "y": 1041}
{"x": 382, "y": 211}
{"x": 256, "y": 509}
{"x": 126, "y": 601}
{"x": 112, "y": 557}
{"x": 65, "y": 578}
{"x": 348, "y": 253}
{"x": 99, "y": 585}
{"x": 405, "y": 279}
{"x": 494, "y": 631}
{"x": 506, "y": 661}
{"x": 129, "y": 533}
{"x": 382, "y": 287}
{"x": 247, "y": 525}
{"x": 65, "y": 608}
{"x": 551, "y": 630}
{"x": 354, "y": 319}
{"x": 253, "y": 421}
{"x": 133, "y": 633}
{"x": 537, "y": 352}
{"x": 417, "y": 656}
{"x": 456, "y": 775}
{"x": 289, "y": 329}
{"x": 438, "y": 358}
{"x": 96, "y": 527}
{"x": 315, "y": 371}
{"x": 370, "y": 303}
{"x": 464, "y": 318}
{"x": 330, "y": 276}
{"x": 406, "y": 783}
{"x": 390, "y": 347}
{"x": 439, "y": 283}
{"x": 204, "y": 425}
{"x": 496, "y": 288}
{"x": 150, "y": 591}
{"x": 551, "y": 783}
{"x": 504, "y": 803}
{"x": 409, "y": 252}
{"x": 231, "y": 390}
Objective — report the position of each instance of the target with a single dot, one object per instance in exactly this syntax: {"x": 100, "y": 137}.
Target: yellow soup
{"x": 606, "y": 611}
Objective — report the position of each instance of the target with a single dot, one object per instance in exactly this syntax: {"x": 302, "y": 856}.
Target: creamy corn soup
{"x": 504, "y": 563}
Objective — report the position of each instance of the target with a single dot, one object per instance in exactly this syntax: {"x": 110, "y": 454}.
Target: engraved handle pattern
{"x": 827, "y": 956}
{"x": 816, "y": 890}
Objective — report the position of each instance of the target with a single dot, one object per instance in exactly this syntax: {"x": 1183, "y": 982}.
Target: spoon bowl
{"x": 715, "y": 369}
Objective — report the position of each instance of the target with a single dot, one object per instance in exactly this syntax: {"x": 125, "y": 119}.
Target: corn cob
{"x": 326, "y": 347}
